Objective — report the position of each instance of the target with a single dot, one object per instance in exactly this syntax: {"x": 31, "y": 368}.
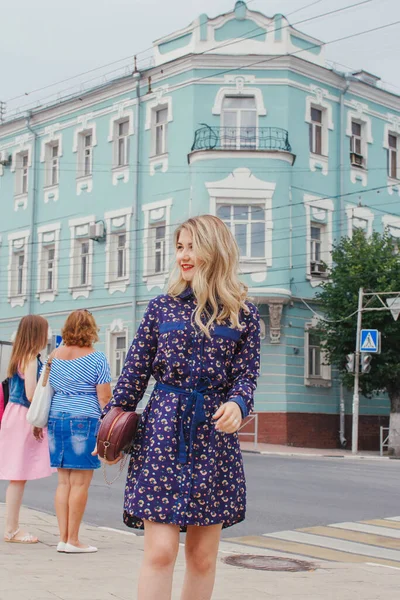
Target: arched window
{"x": 239, "y": 122}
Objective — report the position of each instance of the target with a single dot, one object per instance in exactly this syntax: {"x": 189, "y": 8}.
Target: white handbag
{"x": 38, "y": 412}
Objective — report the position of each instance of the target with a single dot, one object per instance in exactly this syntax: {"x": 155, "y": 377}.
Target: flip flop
{"x": 26, "y": 539}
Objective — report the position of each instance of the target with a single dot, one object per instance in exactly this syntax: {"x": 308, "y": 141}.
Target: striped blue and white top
{"x": 74, "y": 383}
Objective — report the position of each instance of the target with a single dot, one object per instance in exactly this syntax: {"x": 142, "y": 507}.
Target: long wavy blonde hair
{"x": 219, "y": 292}
{"x": 31, "y": 338}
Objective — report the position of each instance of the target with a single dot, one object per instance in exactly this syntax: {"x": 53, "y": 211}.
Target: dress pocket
{"x": 226, "y": 332}
{"x": 172, "y": 326}
{"x": 80, "y": 429}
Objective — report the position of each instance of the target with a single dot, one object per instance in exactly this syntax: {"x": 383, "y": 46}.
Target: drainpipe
{"x": 135, "y": 207}
{"x": 31, "y": 262}
{"x": 342, "y": 139}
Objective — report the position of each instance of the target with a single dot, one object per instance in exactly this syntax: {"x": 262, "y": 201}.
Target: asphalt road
{"x": 283, "y": 493}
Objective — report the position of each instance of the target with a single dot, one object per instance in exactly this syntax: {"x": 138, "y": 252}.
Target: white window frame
{"x": 124, "y": 112}
{"x": 157, "y": 249}
{"x": 324, "y": 378}
{"x": 393, "y": 157}
{"x": 22, "y": 173}
{"x": 358, "y": 115}
{"x": 156, "y": 213}
{"x": 319, "y": 162}
{"x": 357, "y": 145}
{"x": 52, "y": 138}
{"x": 118, "y": 222}
{"x": 84, "y": 182}
{"x": 24, "y": 148}
{"x": 48, "y": 236}
{"x": 121, "y": 143}
{"x": 52, "y": 165}
{"x": 240, "y": 184}
{"x": 238, "y": 126}
{"x": 316, "y": 126}
{"x": 359, "y": 217}
{"x": 247, "y": 222}
{"x": 79, "y": 230}
{"x": 85, "y": 154}
{"x": 319, "y": 212}
{"x": 116, "y": 329}
{"x": 392, "y": 129}
{"x": 160, "y": 131}
{"x": 18, "y": 243}
{"x": 155, "y": 103}
{"x": 391, "y": 224}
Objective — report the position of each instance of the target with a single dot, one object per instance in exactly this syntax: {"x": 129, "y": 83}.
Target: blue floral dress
{"x": 182, "y": 471}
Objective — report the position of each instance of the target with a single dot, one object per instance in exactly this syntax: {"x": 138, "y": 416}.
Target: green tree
{"x": 373, "y": 264}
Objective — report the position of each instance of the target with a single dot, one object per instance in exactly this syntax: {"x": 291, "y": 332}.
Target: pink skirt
{"x": 21, "y": 456}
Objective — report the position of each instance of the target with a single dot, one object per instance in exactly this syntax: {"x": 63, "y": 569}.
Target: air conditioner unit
{"x": 357, "y": 160}
{"x": 318, "y": 269}
{"x": 97, "y": 231}
{"x": 6, "y": 162}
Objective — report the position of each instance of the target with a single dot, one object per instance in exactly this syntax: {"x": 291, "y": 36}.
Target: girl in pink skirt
{"x": 22, "y": 457}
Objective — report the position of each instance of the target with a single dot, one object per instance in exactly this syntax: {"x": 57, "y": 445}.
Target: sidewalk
{"x": 37, "y": 572}
{"x": 281, "y": 450}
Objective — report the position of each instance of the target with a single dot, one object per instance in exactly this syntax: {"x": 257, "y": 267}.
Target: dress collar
{"x": 187, "y": 293}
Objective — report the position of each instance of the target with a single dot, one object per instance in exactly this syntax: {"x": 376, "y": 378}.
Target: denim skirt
{"x": 72, "y": 440}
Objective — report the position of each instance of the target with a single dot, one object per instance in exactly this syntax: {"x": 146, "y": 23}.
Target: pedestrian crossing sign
{"x": 370, "y": 341}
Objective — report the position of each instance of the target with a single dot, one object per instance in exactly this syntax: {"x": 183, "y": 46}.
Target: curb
{"x": 313, "y": 455}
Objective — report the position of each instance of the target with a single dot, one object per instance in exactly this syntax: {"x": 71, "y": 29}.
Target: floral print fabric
{"x": 197, "y": 479}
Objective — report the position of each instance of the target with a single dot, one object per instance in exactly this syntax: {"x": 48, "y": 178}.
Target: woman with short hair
{"x": 22, "y": 458}
{"x": 80, "y": 377}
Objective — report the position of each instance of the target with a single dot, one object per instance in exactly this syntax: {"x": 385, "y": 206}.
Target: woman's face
{"x": 185, "y": 256}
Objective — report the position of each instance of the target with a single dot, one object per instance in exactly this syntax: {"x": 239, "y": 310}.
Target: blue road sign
{"x": 57, "y": 340}
{"x": 370, "y": 341}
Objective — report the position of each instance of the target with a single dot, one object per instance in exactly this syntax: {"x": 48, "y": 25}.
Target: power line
{"x": 219, "y": 46}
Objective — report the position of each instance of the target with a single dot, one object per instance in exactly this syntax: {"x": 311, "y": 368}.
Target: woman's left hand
{"x": 228, "y": 417}
{"x": 37, "y": 433}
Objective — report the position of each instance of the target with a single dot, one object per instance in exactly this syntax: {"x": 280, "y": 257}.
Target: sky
{"x": 47, "y": 41}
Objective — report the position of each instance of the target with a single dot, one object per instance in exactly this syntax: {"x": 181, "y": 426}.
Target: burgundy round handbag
{"x": 116, "y": 433}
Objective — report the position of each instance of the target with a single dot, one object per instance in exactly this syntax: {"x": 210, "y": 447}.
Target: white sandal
{"x": 26, "y": 539}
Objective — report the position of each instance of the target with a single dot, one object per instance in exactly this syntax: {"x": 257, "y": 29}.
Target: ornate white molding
{"x": 241, "y": 183}
{"x": 359, "y": 217}
{"x": 240, "y": 89}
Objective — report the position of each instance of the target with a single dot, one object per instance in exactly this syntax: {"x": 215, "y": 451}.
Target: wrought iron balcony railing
{"x": 241, "y": 138}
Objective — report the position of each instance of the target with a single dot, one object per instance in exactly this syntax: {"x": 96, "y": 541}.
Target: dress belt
{"x": 196, "y": 399}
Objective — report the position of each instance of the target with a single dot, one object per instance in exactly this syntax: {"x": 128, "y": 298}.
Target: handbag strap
{"x": 47, "y": 368}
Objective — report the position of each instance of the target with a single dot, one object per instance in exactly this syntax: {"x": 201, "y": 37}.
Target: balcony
{"x": 260, "y": 140}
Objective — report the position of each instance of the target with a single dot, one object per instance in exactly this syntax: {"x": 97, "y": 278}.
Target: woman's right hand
{"x": 108, "y": 462}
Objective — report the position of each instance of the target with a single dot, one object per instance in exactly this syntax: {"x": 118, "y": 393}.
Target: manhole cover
{"x": 267, "y": 563}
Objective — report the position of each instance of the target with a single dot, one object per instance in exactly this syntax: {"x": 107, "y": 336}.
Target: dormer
{"x": 239, "y": 32}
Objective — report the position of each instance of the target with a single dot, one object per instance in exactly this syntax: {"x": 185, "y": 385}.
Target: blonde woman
{"x": 22, "y": 457}
{"x": 201, "y": 343}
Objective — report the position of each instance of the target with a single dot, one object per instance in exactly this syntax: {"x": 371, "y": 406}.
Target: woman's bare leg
{"x": 78, "y": 495}
{"x": 201, "y": 550}
{"x": 61, "y": 502}
{"x": 161, "y": 545}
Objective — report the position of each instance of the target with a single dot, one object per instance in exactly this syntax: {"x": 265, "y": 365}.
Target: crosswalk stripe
{"x": 393, "y": 518}
{"x": 364, "y": 528}
{"x": 307, "y": 550}
{"x": 383, "y": 523}
{"x": 335, "y": 544}
{"x": 354, "y": 536}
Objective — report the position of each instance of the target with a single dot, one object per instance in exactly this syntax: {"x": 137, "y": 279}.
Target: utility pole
{"x": 356, "y": 394}
{"x": 388, "y": 301}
